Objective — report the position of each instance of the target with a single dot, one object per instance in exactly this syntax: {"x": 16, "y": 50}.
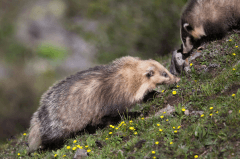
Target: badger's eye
{"x": 164, "y": 74}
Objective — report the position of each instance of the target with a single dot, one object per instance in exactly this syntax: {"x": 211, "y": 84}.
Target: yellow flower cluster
{"x": 78, "y": 146}
{"x": 131, "y": 128}
{"x": 111, "y": 126}
{"x": 122, "y": 123}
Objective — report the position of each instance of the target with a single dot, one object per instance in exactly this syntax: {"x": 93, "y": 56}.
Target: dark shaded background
{"x": 41, "y": 41}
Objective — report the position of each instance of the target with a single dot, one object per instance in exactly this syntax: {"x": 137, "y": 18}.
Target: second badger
{"x": 84, "y": 98}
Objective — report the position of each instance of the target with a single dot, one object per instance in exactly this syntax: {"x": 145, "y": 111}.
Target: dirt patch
{"x": 232, "y": 90}
{"x": 173, "y": 100}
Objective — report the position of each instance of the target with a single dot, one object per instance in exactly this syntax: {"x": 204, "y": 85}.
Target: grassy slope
{"x": 216, "y": 134}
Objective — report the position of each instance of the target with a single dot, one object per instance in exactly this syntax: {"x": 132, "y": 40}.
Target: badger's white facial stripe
{"x": 185, "y": 25}
{"x": 188, "y": 47}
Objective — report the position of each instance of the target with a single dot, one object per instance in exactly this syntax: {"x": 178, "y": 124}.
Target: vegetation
{"x": 130, "y": 28}
{"x": 205, "y": 123}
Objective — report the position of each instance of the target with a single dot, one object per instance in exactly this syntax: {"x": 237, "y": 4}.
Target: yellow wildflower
{"x": 175, "y": 131}
{"x": 19, "y": 154}
{"x": 135, "y": 133}
{"x": 230, "y": 40}
{"x": 156, "y": 142}
{"x": 211, "y": 108}
{"x": 210, "y": 114}
{"x": 86, "y": 146}
{"x": 162, "y": 116}
{"x": 68, "y": 147}
{"x": 64, "y": 156}
{"x": 236, "y": 46}
{"x": 179, "y": 127}
{"x": 106, "y": 138}
{"x": 160, "y": 130}
{"x": 24, "y": 134}
{"x": 164, "y": 112}
{"x": 191, "y": 64}
{"x": 166, "y": 119}
{"x": 131, "y": 128}
{"x": 173, "y": 127}
{"x": 196, "y": 156}
{"x": 88, "y": 150}
{"x": 74, "y": 148}
{"x": 233, "y": 95}
{"x": 79, "y": 146}
{"x": 174, "y": 92}
{"x": 153, "y": 152}
{"x": 216, "y": 111}
{"x": 183, "y": 109}
{"x": 171, "y": 143}
{"x": 74, "y": 141}
{"x": 142, "y": 118}
{"x": 110, "y": 133}
{"x": 158, "y": 124}
{"x": 202, "y": 115}
{"x": 162, "y": 91}
{"x": 55, "y": 155}
{"x": 233, "y": 54}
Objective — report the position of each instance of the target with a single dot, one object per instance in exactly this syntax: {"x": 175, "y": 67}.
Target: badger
{"x": 87, "y": 96}
{"x": 206, "y": 20}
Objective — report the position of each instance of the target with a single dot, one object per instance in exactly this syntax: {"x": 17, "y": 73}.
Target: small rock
{"x": 230, "y": 111}
{"x": 168, "y": 109}
{"x": 186, "y": 112}
{"x": 80, "y": 154}
{"x": 197, "y": 112}
{"x": 213, "y": 65}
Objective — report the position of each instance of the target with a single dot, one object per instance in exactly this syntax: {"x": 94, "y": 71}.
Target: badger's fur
{"x": 84, "y": 98}
{"x": 206, "y": 20}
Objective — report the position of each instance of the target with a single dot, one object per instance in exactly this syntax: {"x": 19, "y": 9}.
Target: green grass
{"x": 214, "y": 134}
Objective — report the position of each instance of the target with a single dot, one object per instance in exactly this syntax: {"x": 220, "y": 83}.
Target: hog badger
{"x": 206, "y": 20}
{"x": 84, "y": 98}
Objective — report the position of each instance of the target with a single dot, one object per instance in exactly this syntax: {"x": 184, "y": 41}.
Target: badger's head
{"x": 191, "y": 37}
{"x": 142, "y": 76}
{"x": 156, "y": 74}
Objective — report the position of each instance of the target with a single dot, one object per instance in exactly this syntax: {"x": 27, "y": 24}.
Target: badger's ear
{"x": 187, "y": 27}
{"x": 149, "y": 72}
